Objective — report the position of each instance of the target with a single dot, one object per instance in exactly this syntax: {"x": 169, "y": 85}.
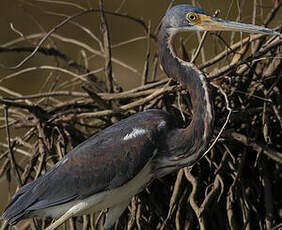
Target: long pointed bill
{"x": 218, "y": 24}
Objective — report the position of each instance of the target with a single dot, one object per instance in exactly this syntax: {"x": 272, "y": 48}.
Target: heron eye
{"x": 192, "y": 17}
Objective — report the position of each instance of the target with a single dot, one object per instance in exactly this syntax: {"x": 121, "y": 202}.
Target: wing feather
{"x": 105, "y": 161}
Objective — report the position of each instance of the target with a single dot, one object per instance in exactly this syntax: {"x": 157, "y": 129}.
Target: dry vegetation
{"x": 237, "y": 185}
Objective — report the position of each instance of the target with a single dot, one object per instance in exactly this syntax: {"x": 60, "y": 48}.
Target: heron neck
{"x": 196, "y": 136}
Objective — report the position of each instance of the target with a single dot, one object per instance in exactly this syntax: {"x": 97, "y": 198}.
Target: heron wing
{"x": 105, "y": 161}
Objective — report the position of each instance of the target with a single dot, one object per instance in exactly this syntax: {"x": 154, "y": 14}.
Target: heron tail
{"x": 17, "y": 209}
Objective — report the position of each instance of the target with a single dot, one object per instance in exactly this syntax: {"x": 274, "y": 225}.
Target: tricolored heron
{"x": 109, "y": 168}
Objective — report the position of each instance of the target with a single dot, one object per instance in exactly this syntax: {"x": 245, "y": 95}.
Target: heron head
{"x": 190, "y": 18}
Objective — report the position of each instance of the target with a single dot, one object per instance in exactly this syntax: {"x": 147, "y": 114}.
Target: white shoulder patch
{"x": 135, "y": 132}
{"x": 161, "y": 124}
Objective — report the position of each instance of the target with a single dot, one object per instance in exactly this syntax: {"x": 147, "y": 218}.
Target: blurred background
{"x": 35, "y": 17}
{"x": 27, "y": 20}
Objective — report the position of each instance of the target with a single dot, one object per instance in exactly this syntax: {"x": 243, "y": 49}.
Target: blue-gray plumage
{"x": 105, "y": 161}
{"x": 110, "y": 167}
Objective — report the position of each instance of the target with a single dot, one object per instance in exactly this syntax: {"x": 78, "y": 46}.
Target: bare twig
{"x": 147, "y": 58}
{"x": 107, "y": 48}
{"x": 11, "y": 154}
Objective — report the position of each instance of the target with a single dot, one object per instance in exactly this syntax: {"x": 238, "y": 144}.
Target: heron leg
{"x": 114, "y": 213}
{"x": 70, "y": 213}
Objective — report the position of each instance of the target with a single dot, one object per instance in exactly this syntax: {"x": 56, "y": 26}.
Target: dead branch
{"x": 234, "y": 186}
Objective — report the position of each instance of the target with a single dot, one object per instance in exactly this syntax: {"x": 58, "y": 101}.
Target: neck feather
{"x": 191, "y": 141}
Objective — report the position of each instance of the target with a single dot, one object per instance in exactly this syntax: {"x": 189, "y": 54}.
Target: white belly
{"x": 102, "y": 200}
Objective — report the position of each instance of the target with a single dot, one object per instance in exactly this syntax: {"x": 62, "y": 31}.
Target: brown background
{"x": 30, "y": 17}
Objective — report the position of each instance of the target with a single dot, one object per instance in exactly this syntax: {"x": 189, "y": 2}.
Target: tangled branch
{"x": 233, "y": 187}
